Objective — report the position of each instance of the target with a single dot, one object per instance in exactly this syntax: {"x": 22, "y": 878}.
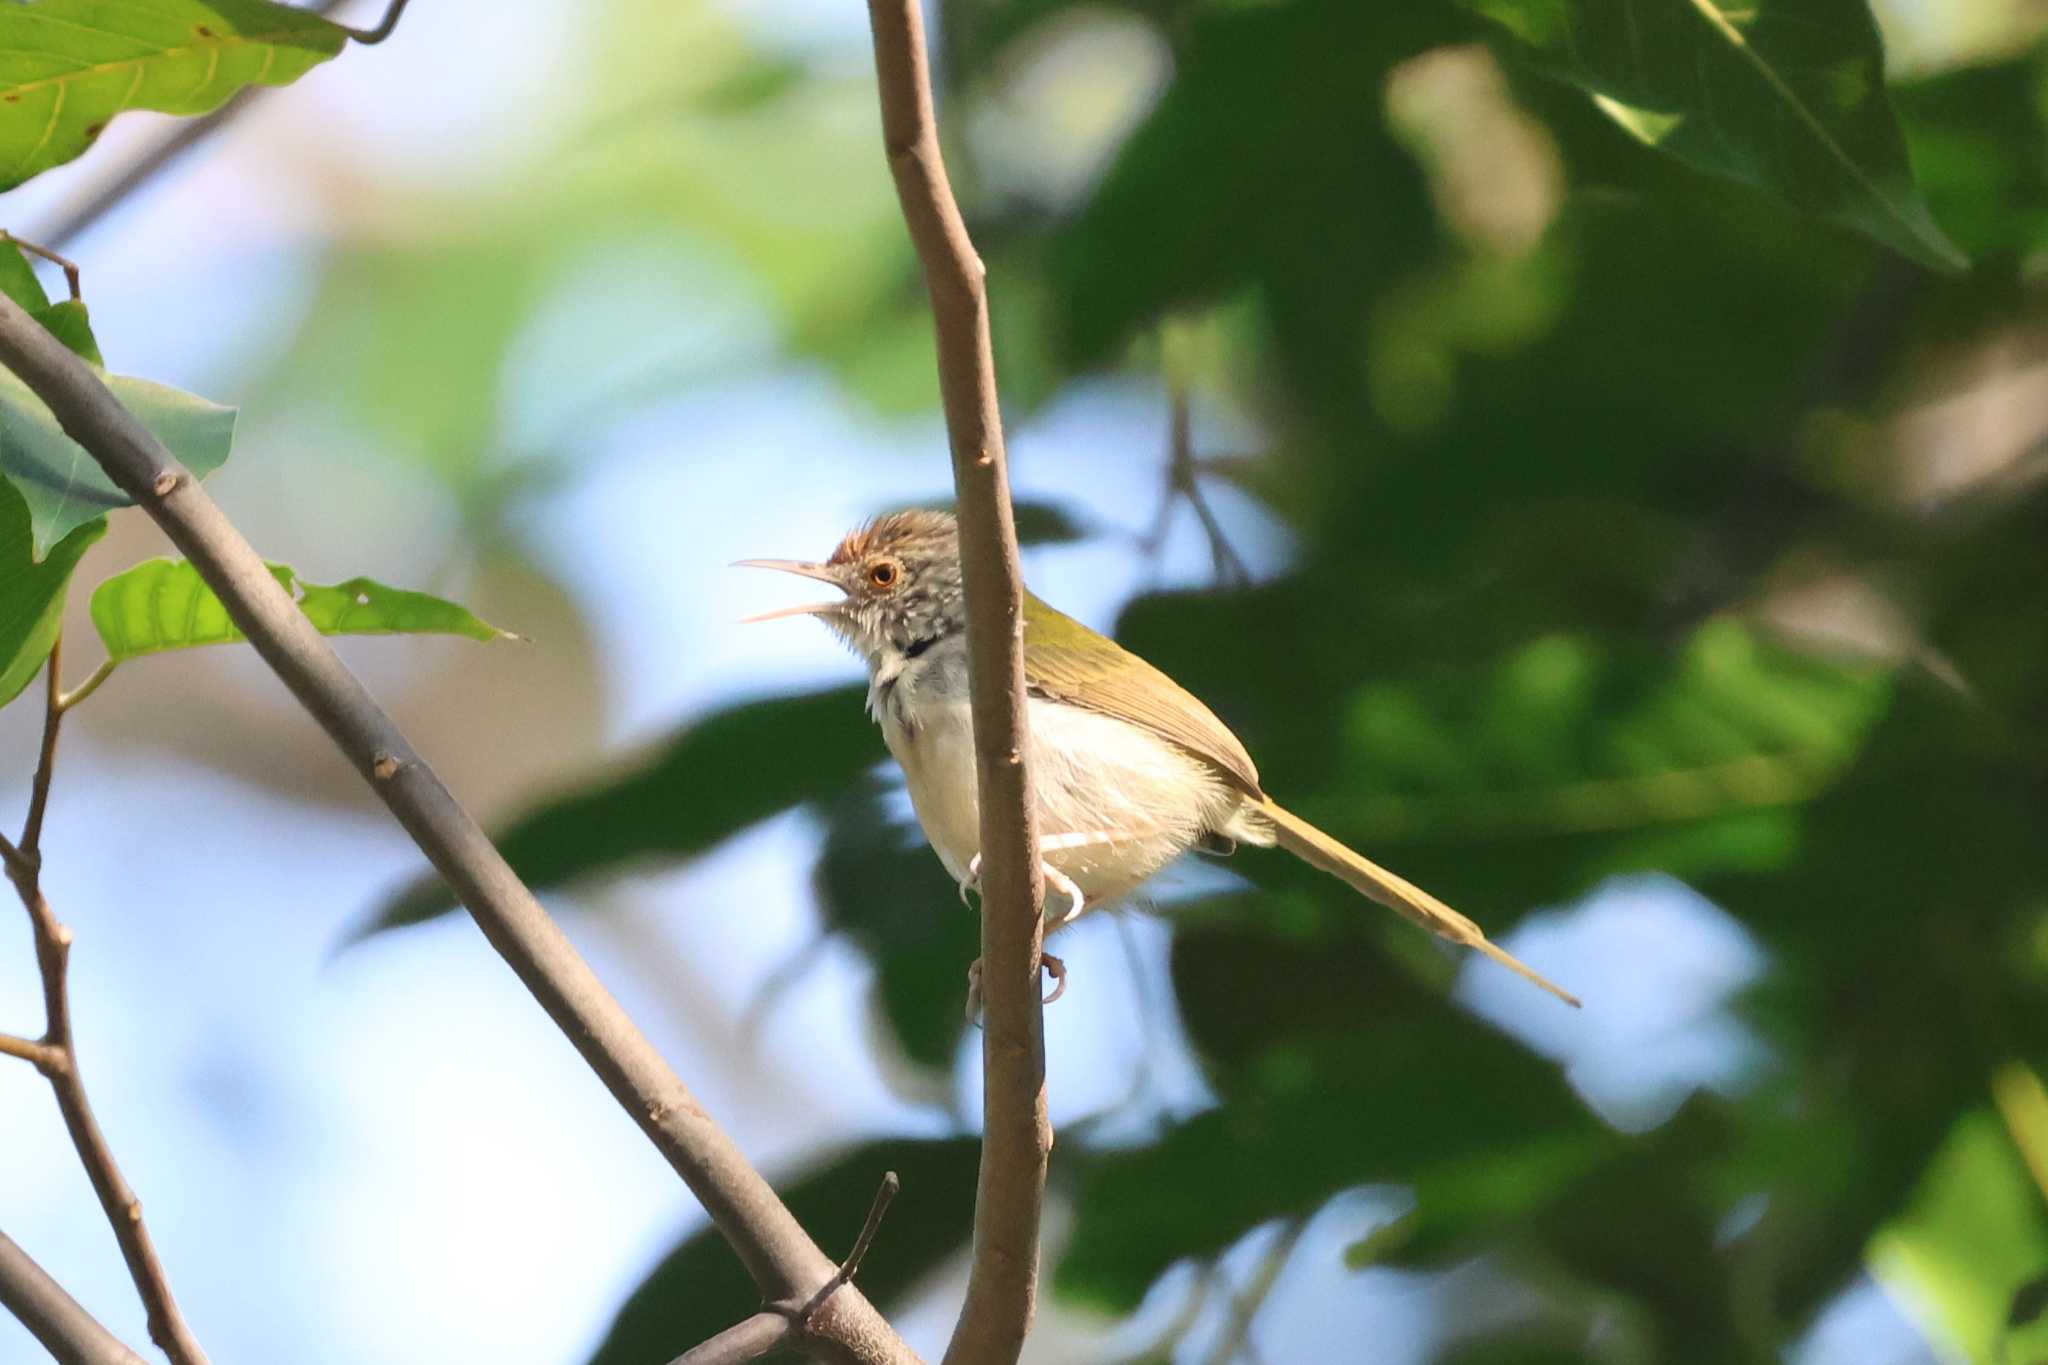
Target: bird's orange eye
{"x": 883, "y": 573}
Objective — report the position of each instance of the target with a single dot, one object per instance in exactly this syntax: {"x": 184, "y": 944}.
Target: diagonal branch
{"x": 69, "y": 1333}
{"x": 781, "y": 1258}
{"x": 1003, "y": 1282}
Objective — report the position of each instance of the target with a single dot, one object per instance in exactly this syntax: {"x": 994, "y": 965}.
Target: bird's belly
{"x": 1115, "y": 804}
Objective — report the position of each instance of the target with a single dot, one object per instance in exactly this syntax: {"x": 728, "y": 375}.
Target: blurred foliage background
{"x": 1604, "y": 447}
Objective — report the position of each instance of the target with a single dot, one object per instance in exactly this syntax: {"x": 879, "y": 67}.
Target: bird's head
{"x": 900, "y": 574}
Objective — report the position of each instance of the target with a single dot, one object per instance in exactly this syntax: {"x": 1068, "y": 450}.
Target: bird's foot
{"x": 1062, "y": 883}
{"x": 1050, "y": 965}
{"x": 972, "y": 881}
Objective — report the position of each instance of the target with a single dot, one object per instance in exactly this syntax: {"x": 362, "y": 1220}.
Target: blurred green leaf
{"x": 1980, "y": 148}
{"x": 1787, "y": 97}
{"x": 879, "y": 883}
{"x": 718, "y": 776}
{"x": 1520, "y": 779}
{"x": 32, "y": 591}
{"x": 1332, "y": 1074}
{"x": 1973, "y": 1236}
{"x": 68, "y": 66}
{"x": 700, "y": 1289}
{"x": 1267, "y": 153}
{"x": 65, "y": 488}
{"x": 163, "y": 604}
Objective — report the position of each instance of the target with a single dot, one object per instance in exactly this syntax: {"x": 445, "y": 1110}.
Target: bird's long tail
{"x": 1319, "y": 850}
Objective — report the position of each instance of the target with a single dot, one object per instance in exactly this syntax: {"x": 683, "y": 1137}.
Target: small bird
{"x": 1130, "y": 771}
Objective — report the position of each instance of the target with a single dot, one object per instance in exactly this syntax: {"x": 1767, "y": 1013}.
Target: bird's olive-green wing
{"x": 1065, "y": 661}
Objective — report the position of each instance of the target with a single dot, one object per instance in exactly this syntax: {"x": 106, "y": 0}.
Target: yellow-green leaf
{"x": 163, "y": 604}
{"x": 68, "y": 66}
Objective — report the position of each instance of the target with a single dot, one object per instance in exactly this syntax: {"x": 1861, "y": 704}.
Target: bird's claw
{"x": 1057, "y": 970}
{"x": 972, "y": 881}
{"x": 1047, "y": 963}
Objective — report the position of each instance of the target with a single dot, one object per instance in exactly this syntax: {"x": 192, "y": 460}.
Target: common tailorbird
{"x": 1130, "y": 771}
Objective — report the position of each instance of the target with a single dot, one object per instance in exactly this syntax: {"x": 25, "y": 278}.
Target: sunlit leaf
{"x": 163, "y": 604}
{"x": 1974, "y": 1235}
{"x": 68, "y": 66}
{"x": 32, "y": 591}
{"x": 1788, "y": 97}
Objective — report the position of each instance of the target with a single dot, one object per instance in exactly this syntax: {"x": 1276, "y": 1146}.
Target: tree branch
{"x": 1002, "y": 1284}
{"x": 56, "y": 1054}
{"x": 69, "y": 1333}
{"x": 782, "y": 1259}
{"x": 756, "y": 1336}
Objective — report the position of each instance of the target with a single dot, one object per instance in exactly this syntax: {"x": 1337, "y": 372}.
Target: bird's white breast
{"x": 1093, "y": 776}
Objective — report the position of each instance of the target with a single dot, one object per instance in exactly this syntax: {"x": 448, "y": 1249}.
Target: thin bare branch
{"x": 782, "y": 1259}
{"x": 58, "y": 1059}
{"x": 1002, "y": 1285}
{"x": 1183, "y": 480}
{"x": 69, "y": 1333}
{"x": 46, "y": 758}
{"x": 850, "y": 1267}
{"x": 384, "y": 28}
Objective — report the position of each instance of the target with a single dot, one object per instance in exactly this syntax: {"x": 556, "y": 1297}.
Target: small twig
{"x": 69, "y": 268}
{"x": 1183, "y": 480}
{"x": 850, "y": 1267}
{"x": 56, "y": 1054}
{"x": 39, "y": 1055}
{"x": 69, "y": 1333}
{"x": 369, "y": 37}
{"x": 91, "y": 685}
{"x": 46, "y": 760}
{"x": 1236, "y": 1342}
{"x": 754, "y": 1337}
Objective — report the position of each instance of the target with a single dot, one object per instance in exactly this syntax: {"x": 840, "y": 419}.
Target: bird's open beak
{"x": 795, "y": 566}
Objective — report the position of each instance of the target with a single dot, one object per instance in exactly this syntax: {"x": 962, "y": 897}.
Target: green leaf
{"x": 65, "y": 486}
{"x": 163, "y": 604}
{"x": 18, "y": 279}
{"x": 1980, "y": 146}
{"x": 32, "y": 591}
{"x": 699, "y": 1289}
{"x": 1334, "y": 1072}
{"x": 68, "y": 66}
{"x": 1973, "y": 1237}
{"x": 69, "y": 323}
{"x": 1787, "y": 97}
{"x": 717, "y": 777}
